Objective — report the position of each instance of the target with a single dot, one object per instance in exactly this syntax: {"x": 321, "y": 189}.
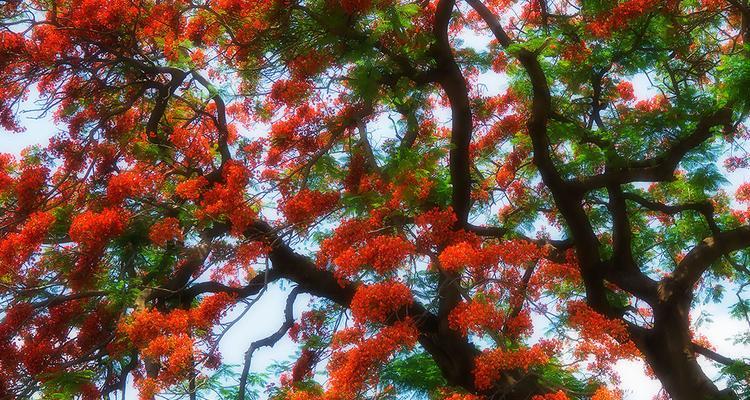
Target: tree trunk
{"x": 668, "y": 348}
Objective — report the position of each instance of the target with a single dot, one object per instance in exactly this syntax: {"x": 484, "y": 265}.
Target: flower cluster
{"x": 351, "y": 370}
{"x": 604, "y": 393}
{"x": 468, "y": 254}
{"x": 349, "y": 233}
{"x": 734, "y": 163}
{"x": 289, "y": 92}
{"x": 306, "y": 205}
{"x": 299, "y": 131}
{"x": 454, "y": 258}
{"x": 491, "y": 363}
{"x": 191, "y": 189}
{"x": 559, "y": 395}
{"x": 169, "y": 338}
{"x": 551, "y": 275}
{"x": 620, "y": 17}
{"x": 507, "y": 172}
{"x": 30, "y": 186}
{"x": 377, "y": 302}
{"x": 606, "y": 340}
{"x": 123, "y": 185}
{"x": 458, "y": 396}
{"x": 382, "y": 253}
{"x": 311, "y": 324}
{"x": 16, "y": 248}
{"x": 245, "y": 255}
{"x": 92, "y": 230}
{"x": 227, "y": 199}
{"x": 307, "y": 65}
{"x": 743, "y": 193}
{"x": 435, "y": 227}
{"x": 476, "y": 316}
{"x": 192, "y": 143}
{"x": 625, "y": 91}
{"x": 165, "y": 230}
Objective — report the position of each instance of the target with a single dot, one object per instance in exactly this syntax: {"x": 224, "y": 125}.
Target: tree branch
{"x": 452, "y": 82}
{"x": 662, "y": 167}
{"x": 268, "y": 341}
{"x": 699, "y": 259}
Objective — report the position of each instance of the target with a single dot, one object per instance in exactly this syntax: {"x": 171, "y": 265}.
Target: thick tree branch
{"x": 700, "y": 258}
{"x": 623, "y": 269}
{"x": 568, "y": 202}
{"x": 452, "y": 82}
{"x": 662, "y": 167}
{"x": 712, "y": 355}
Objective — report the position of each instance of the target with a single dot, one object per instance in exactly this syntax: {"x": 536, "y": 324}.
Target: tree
{"x": 349, "y": 149}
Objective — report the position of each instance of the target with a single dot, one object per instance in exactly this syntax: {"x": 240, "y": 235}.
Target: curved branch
{"x": 662, "y": 167}
{"x": 699, "y": 259}
{"x": 268, "y": 341}
{"x": 452, "y": 82}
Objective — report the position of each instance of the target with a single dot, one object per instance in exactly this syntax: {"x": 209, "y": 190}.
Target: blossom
{"x": 91, "y": 230}
{"x": 30, "y": 185}
{"x": 379, "y": 301}
{"x": 457, "y": 396}
{"x": 743, "y": 193}
{"x": 307, "y": 205}
{"x": 351, "y": 369}
{"x": 165, "y": 230}
{"x": 191, "y": 189}
{"x": 491, "y": 363}
{"x": 476, "y": 316}
{"x": 559, "y": 395}
{"x": 304, "y": 365}
{"x": 435, "y": 227}
{"x": 226, "y": 199}
{"x": 16, "y": 248}
{"x": 290, "y": 92}
{"x": 606, "y": 340}
{"x": 460, "y": 255}
{"x": 123, "y": 185}
{"x": 619, "y": 17}
{"x": 603, "y": 393}
{"x": 625, "y": 91}
{"x": 382, "y": 253}
{"x": 172, "y": 338}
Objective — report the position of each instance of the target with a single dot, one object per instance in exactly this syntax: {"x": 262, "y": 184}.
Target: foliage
{"x": 483, "y": 199}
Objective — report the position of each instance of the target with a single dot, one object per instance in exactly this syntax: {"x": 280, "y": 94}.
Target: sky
{"x": 267, "y": 314}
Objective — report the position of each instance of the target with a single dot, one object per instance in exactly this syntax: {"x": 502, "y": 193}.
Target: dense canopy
{"x": 485, "y": 199}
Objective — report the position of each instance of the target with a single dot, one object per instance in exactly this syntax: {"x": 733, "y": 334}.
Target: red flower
{"x": 476, "y": 316}
{"x": 375, "y": 303}
{"x": 620, "y": 17}
{"x": 91, "y": 230}
{"x": 307, "y": 205}
{"x": 490, "y": 364}
{"x": 458, "y": 256}
{"x": 743, "y": 193}
{"x": 625, "y": 91}
{"x": 165, "y": 230}
{"x": 17, "y": 248}
{"x": 122, "y": 186}
{"x": 559, "y": 395}
{"x": 382, "y": 253}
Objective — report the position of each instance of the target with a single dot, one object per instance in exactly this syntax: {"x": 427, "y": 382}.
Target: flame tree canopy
{"x": 474, "y": 194}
